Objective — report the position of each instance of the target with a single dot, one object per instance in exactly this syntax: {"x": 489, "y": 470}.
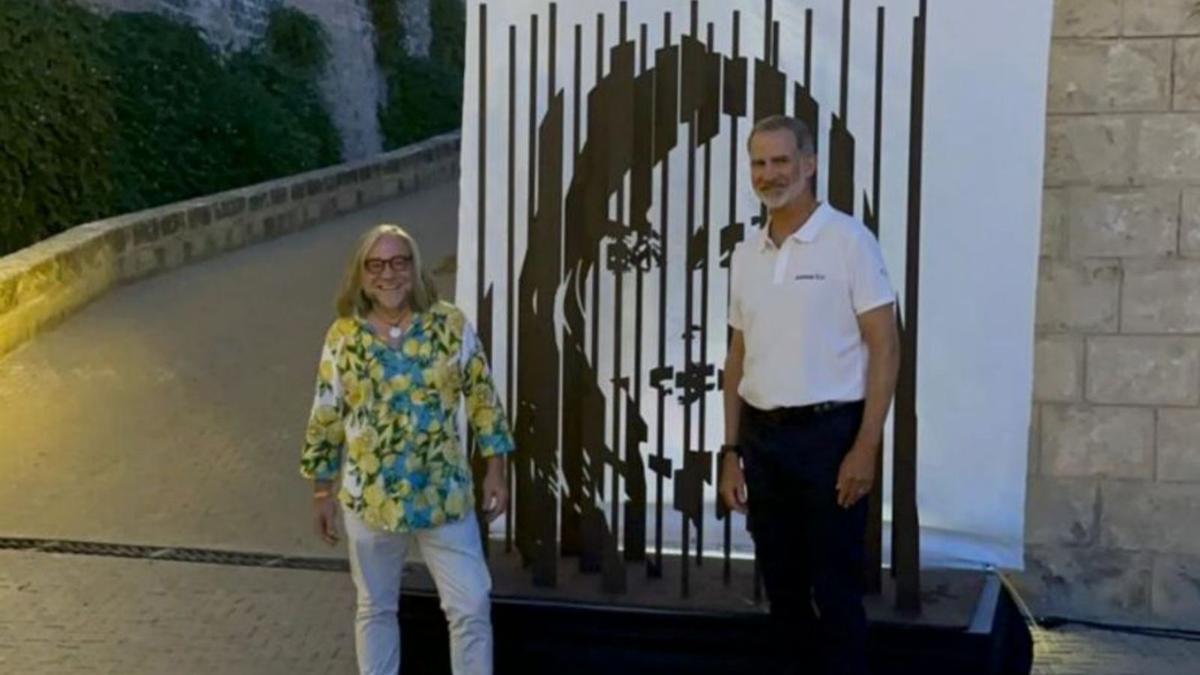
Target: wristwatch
{"x": 731, "y": 447}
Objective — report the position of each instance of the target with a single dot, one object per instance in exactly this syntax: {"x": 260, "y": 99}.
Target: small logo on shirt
{"x": 810, "y": 277}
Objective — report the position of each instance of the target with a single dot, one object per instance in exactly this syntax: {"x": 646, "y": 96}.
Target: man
{"x": 809, "y": 377}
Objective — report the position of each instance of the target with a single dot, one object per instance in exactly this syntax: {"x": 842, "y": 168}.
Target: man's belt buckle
{"x": 824, "y": 406}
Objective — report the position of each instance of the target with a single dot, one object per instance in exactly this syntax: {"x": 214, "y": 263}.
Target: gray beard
{"x": 777, "y": 201}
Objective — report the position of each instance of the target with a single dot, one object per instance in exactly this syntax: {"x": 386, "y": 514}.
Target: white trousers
{"x": 454, "y": 556}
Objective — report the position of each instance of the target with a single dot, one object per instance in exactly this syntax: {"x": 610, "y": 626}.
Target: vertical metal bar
{"x": 641, "y": 179}
{"x": 595, "y": 300}
{"x": 906, "y": 533}
{"x": 481, "y": 163}
{"x": 551, "y": 94}
{"x": 815, "y": 119}
{"x": 711, "y": 93}
{"x": 845, "y": 89}
{"x": 808, "y": 31}
{"x": 768, "y": 23}
{"x": 578, "y": 88}
{"x": 510, "y": 376}
{"x": 552, "y": 54}
{"x": 618, "y": 330}
{"x": 727, "y": 571}
{"x": 775, "y": 44}
{"x": 876, "y": 171}
{"x": 483, "y": 300}
{"x": 872, "y": 562}
{"x": 688, "y": 75}
{"x": 841, "y": 142}
{"x": 533, "y": 98}
{"x": 571, "y": 536}
{"x": 661, "y": 466}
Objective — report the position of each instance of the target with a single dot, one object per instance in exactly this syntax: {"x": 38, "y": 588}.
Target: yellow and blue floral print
{"x": 385, "y": 418}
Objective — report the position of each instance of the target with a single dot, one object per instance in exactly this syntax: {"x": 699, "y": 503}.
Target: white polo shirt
{"x": 797, "y": 307}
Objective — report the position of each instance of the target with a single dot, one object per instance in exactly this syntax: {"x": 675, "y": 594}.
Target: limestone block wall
{"x": 418, "y": 33}
{"x": 1114, "y": 488}
{"x": 42, "y": 284}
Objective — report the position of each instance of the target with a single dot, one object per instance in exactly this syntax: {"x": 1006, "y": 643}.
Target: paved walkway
{"x": 170, "y": 413}
{"x": 61, "y": 615}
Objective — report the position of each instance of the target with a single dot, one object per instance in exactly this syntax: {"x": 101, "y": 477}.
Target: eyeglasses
{"x": 400, "y": 263}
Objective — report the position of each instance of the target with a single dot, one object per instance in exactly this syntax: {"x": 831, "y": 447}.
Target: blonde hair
{"x": 351, "y": 299}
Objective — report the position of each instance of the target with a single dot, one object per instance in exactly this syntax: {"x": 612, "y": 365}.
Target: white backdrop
{"x": 986, "y": 69}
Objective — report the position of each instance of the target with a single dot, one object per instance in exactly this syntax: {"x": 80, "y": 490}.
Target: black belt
{"x": 795, "y": 414}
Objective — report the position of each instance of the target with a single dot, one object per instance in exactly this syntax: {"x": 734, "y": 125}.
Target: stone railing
{"x": 42, "y": 284}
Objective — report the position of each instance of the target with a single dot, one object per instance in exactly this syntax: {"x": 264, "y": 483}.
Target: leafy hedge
{"x": 120, "y": 113}
{"x": 424, "y": 94}
{"x": 57, "y": 123}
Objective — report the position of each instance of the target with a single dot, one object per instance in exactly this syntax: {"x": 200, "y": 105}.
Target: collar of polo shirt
{"x": 806, "y": 234}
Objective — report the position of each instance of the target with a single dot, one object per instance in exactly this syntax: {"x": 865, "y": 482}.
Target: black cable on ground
{"x": 1052, "y": 622}
{"x": 174, "y": 554}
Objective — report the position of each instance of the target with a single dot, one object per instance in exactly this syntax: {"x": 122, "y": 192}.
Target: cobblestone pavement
{"x": 82, "y": 614}
{"x": 169, "y": 412}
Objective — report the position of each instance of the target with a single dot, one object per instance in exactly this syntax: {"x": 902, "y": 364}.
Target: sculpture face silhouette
{"x": 623, "y": 233}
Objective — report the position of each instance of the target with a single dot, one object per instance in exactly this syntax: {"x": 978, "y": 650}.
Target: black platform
{"x": 968, "y": 624}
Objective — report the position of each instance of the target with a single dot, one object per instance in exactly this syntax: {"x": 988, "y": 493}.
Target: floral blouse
{"x": 386, "y": 418}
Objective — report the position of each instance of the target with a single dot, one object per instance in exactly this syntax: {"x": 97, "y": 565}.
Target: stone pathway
{"x": 81, "y": 614}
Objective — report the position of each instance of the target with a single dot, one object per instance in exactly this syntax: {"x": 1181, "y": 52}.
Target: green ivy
{"x": 117, "y": 114}
{"x": 389, "y": 31}
{"x": 424, "y": 98}
{"x": 424, "y": 95}
{"x": 296, "y": 41}
{"x": 57, "y": 122}
{"x": 447, "y": 18}
{"x": 192, "y": 125}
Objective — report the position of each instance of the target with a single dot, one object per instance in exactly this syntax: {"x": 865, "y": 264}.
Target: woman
{"x": 395, "y": 367}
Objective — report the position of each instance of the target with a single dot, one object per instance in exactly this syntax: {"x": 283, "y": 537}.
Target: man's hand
{"x": 856, "y": 475}
{"x": 733, "y": 483}
{"x": 325, "y": 518}
{"x": 495, "y": 489}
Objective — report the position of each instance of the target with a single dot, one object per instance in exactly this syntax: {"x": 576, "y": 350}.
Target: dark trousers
{"x": 810, "y": 549}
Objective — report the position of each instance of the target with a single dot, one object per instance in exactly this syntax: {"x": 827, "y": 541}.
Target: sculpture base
{"x": 968, "y": 623}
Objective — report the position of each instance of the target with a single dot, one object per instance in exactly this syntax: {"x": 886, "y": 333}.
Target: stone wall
{"x": 51, "y": 279}
{"x": 353, "y": 85}
{"x": 1114, "y": 500}
{"x": 418, "y": 33}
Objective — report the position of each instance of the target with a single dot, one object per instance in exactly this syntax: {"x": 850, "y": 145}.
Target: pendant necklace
{"x": 394, "y": 330}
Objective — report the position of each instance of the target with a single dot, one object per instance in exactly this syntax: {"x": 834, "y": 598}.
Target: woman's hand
{"x": 495, "y": 489}
{"x": 325, "y": 514}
